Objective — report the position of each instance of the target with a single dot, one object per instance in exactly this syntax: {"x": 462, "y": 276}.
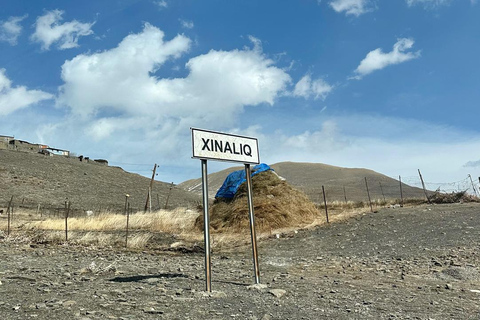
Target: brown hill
{"x": 33, "y": 179}
{"x": 309, "y": 177}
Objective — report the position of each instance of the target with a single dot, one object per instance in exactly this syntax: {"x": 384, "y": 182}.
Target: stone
{"x": 257, "y": 286}
{"x": 69, "y": 303}
{"x": 152, "y": 311}
{"x": 277, "y": 292}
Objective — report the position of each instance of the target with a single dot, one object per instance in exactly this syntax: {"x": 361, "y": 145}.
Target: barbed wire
{"x": 467, "y": 185}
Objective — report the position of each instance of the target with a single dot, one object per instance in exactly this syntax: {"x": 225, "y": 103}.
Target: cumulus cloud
{"x": 11, "y": 29}
{"x": 123, "y": 80}
{"x": 351, "y": 7}
{"x": 15, "y": 98}
{"x": 377, "y": 59}
{"x": 306, "y": 88}
{"x": 49, "y": 30}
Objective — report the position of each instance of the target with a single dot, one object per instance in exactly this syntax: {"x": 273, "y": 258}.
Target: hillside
{"x": 309, "y": 177}
{"x": 34, "y": 179}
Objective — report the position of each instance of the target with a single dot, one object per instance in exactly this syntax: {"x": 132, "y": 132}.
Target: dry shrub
{"x": 454, "y": 197}
{"x": 276, "y": 205}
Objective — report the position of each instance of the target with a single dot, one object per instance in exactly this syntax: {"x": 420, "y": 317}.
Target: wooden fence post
{"x": 8, "y": 215}
{"x": 325, "y": 202}
{"x": 67, "y": 211}
{"x": 423, "y": 185}
{"x": 128, "y": 218}
{"x": 383, "y": 194}
{"x": 168, "y": 196}
{"x": 401, "y": 191}
{"x": 368, "y": 193}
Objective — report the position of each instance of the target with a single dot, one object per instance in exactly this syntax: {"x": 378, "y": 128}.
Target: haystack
{"x": 276, "y": 205}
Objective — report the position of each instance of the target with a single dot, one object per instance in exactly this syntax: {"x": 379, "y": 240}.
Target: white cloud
{"x": 15, "y": 98}
{"x": 186, "y": 24}
{"x": 11, "y": 29}
{"x": 345, "y": 142}
{"x": 433, "y": 4}
{"x": 377, "y": 59}
{"x": 351, "y": 7}
{"x": 161, "y": 4}
{"x": 307, "y": 88}
{"x": 48, "y": 31}
{"x": 428, "y": 3}
{"x": 122, "y": 80}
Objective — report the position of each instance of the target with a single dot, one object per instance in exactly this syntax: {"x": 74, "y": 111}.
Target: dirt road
{"x": 406, "y": 263}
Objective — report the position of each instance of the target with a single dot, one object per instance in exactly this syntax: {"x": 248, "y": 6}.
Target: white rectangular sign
{"x": 225, "y": 147}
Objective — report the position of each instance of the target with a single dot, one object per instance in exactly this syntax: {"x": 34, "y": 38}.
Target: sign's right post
{"x": 252, "y": 222}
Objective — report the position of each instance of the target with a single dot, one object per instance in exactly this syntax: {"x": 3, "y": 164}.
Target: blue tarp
{"x": 236, "y": 178}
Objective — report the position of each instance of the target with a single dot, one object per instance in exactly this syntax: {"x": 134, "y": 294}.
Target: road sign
{"x": 224, "y": 147}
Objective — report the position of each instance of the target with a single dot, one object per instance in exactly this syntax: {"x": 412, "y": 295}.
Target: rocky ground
{"x": 404, "y": 263}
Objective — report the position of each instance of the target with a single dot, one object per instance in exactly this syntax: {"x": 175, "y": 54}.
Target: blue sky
{"x": 391, "y": 86}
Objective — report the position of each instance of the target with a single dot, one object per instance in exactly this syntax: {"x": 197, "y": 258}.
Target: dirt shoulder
{"x": 406, "y": 263}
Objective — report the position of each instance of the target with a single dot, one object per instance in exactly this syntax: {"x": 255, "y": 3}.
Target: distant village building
{"x": 59, "y": 152}
{"x": 4, "y": 141}
{"x": 10, "y": 143}
{"x": 21, "y": 145}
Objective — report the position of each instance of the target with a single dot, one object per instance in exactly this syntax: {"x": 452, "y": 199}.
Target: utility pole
{"x": 150, "y": 187}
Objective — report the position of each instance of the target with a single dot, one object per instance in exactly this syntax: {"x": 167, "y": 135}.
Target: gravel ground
{"x": 405, "y": 263}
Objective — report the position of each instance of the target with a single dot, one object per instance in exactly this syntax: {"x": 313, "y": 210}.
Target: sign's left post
{"x": 206, "y": 227}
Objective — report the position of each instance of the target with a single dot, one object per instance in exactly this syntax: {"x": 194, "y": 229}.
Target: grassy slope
{"x": 38, "y": 179}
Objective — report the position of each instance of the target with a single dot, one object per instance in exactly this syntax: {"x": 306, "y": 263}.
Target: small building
{"x": 59, "y": 152}
{"x": 22, "y": 145}
{"x": 4, "y": 141}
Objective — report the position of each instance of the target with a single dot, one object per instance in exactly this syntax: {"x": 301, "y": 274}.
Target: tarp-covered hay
{"x": 276, "y": 205}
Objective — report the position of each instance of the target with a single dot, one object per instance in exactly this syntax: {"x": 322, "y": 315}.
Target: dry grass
{"x": 279, "y": 210}
{"x": 177, "y": 221}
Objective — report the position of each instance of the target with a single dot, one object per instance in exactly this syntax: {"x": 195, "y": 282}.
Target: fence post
{"x": 168, "y": 196}
{"x": 325, "y": 202}
{"x": 473, "y": 186}
{"x": 423, "y": 185}
{"x": 126, "y": 201}
{"x": 383, "y": 194}
{"x": 368, "y": 193}
{"x": 67, "y": 211}
{"x": 401, "y": 191}
{"x": 345, "y": 195}
{"x": 8, "y": 215}
{"x": 128, "y": 218}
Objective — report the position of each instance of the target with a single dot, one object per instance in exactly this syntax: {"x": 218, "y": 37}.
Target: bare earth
{"x": 406, "y": 263}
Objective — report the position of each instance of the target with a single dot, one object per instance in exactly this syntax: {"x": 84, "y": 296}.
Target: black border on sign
{"x": 226, "y": 134}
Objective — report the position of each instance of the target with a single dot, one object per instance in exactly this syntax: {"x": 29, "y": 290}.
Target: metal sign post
{"x": 225, "y": 147}
{"x": 206, "y": 228}
{"x": 253, "y": 234}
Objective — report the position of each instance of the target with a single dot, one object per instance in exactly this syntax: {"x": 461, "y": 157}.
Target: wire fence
{"x": 468, "y": 184}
